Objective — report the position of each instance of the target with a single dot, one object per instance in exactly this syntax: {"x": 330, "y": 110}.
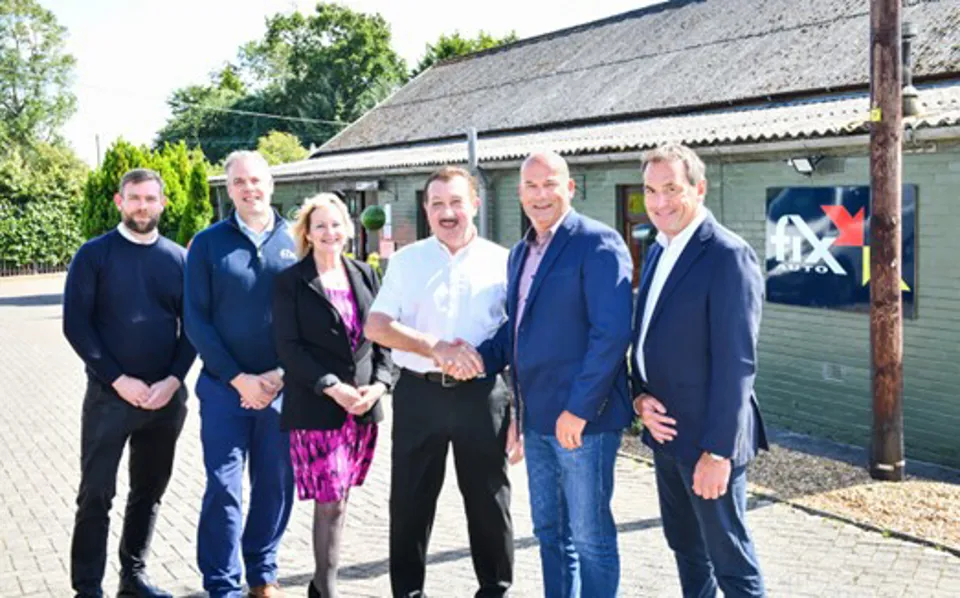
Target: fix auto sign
{"x": 818, "y": 247}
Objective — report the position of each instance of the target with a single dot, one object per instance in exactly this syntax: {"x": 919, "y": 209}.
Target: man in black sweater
{"x": 123, "y": 315}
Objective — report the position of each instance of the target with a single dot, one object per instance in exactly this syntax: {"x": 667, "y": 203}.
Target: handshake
{"x": 458, "y": 359}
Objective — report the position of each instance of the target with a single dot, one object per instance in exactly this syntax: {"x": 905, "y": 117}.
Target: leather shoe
{"x": 139, "y": 586}
{"x": 267, "y": 590}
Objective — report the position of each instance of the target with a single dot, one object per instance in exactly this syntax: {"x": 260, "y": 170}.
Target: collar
{"x": 684, "y": 236}
{"x": 129, "y": 235}
{"x": 532, "y": 235}
{"x": 462, "y": 251}
{"x": 249, "y": 231}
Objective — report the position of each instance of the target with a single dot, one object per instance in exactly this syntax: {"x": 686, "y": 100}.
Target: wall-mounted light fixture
{"x": 805, "y": 165}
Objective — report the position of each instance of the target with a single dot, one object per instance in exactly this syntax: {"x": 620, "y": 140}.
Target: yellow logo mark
{"x": 866, "y": 270}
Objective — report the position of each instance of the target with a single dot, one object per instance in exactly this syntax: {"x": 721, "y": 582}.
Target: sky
{"x": 132, "y": 54}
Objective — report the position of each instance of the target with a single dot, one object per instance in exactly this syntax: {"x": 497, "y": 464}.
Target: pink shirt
{"x": 538, "y": 248}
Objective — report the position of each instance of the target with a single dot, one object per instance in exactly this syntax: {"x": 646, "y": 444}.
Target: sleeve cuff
{"x": 325, "y": 382}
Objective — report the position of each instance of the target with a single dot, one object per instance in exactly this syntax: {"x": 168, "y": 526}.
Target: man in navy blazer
{"x": 694, "y": 359}
{"x": 568, "y": 307}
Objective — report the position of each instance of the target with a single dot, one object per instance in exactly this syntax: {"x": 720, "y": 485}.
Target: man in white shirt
{"x": 439, "y": 292}
{"x": 694, "y": 362}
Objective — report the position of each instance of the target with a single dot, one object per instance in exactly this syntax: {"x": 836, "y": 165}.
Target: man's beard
{"x": 147, "y": 227}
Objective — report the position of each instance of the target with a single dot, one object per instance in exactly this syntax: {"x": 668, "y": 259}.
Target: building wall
{"x": 814, "y": 374}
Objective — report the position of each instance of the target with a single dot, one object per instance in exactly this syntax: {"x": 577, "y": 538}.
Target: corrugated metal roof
{"x": 841, "y": 116}
{"x": 680, "y": 56}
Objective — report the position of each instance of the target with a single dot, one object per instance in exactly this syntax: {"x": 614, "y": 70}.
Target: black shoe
{"x": 312, "y": 591}
{"x": 139, "y": 586}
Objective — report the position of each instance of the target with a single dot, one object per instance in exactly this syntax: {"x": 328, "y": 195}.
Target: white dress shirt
{"x": 668, "y": 259}
{"x": 461, "y": 295}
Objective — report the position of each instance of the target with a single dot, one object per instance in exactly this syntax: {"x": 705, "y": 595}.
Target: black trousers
{"x": 108, "y": 422}
{"x": 427, "y": 418}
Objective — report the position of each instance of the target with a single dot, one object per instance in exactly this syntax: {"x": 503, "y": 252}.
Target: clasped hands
{"x": 458, "y": 359}
{"x": 356, "y": 400}
{"x": 150, "y": 397}
{"x": 710, "y": 475}
{"x": 257, "y": 391}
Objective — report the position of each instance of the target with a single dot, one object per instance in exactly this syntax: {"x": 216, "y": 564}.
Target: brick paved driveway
{"x": 41, "y": 385}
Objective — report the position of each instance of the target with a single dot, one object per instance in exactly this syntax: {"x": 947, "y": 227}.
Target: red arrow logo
{"x": 850, "y": 227}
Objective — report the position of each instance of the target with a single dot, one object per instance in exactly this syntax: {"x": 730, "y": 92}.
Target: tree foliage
{"x": 40, "y": 189}
{"x": 175, "y": 164}
{"x": 280, "y": 148}
{"x": 451, "y": 46}
{"x": 35, "y": 72}
{"x": 320, "y": 71}
{"x": 199, "y": 210}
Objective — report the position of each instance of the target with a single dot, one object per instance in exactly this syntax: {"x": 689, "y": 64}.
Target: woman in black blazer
{"x": 333, "y": 376}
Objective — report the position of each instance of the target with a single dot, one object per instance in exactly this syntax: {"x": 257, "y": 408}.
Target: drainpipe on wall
{"x": 473, "y": 164}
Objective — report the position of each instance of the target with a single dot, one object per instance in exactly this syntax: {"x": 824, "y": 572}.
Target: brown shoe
{"x": 268, "y": 590}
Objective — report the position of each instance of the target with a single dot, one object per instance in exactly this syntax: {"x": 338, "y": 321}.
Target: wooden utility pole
{"x": 886, "y": 306}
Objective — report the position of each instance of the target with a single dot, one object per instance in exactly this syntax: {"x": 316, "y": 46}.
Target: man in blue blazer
{"x": 568, "y": 307}
{"x": 694, "y": 359}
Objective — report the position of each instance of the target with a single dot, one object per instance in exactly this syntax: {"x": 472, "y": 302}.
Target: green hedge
{"x": 41, "y": 187}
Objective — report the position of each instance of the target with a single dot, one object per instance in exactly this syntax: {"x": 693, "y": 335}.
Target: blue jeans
{"x": 709, "y": 538}
{"x": 570, "y": 492}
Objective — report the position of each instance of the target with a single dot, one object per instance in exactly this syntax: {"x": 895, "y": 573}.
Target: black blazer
{"x": 312, "y": 343}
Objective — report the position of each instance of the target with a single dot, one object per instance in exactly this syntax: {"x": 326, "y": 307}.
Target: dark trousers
{"x": 108, "y": 423}
{"x": 709, "y": 538}
{"x": 427, "y": 418}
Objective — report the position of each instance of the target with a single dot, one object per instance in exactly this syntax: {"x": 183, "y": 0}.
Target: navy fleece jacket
{"x": 229, "y": 296}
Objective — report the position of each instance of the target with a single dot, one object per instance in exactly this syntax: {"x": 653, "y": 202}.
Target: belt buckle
{"x": 444, "y": 380}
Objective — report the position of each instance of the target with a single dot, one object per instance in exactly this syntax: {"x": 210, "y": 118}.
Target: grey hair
{"x": 677, "y": 152}
{"x": 237, "y": 155}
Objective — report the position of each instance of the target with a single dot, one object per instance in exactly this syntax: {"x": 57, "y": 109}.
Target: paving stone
{"x": 41, "y": 388}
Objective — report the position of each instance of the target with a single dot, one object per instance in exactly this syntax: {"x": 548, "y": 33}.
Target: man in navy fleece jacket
{"x": 229, "y": 293}
{"x": 122, "y": 313}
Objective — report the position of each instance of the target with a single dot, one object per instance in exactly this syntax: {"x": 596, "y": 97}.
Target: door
{"x": 634, "y": 225}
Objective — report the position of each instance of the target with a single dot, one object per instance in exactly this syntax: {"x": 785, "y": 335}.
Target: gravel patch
{"x": 922, "y": 508}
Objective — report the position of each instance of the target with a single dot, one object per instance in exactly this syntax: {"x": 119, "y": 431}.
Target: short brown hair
{"x": 450, "y": 172}
{"x": 677, "y": 152}
{"x": 140, "y": 175}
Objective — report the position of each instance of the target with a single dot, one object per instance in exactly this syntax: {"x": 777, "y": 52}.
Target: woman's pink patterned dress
{"x": 326, "y": 463}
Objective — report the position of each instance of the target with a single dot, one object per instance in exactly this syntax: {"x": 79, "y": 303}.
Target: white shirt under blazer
{"x": 668, "y": 259}
{"x": 461, "y": 295}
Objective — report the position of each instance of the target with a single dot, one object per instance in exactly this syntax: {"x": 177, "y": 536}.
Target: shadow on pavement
{"x": 32, "y": 300}
{"x": 381, "y": 567}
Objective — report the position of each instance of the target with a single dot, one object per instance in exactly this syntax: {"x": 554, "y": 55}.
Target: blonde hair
{"x": 301, "y": 226}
